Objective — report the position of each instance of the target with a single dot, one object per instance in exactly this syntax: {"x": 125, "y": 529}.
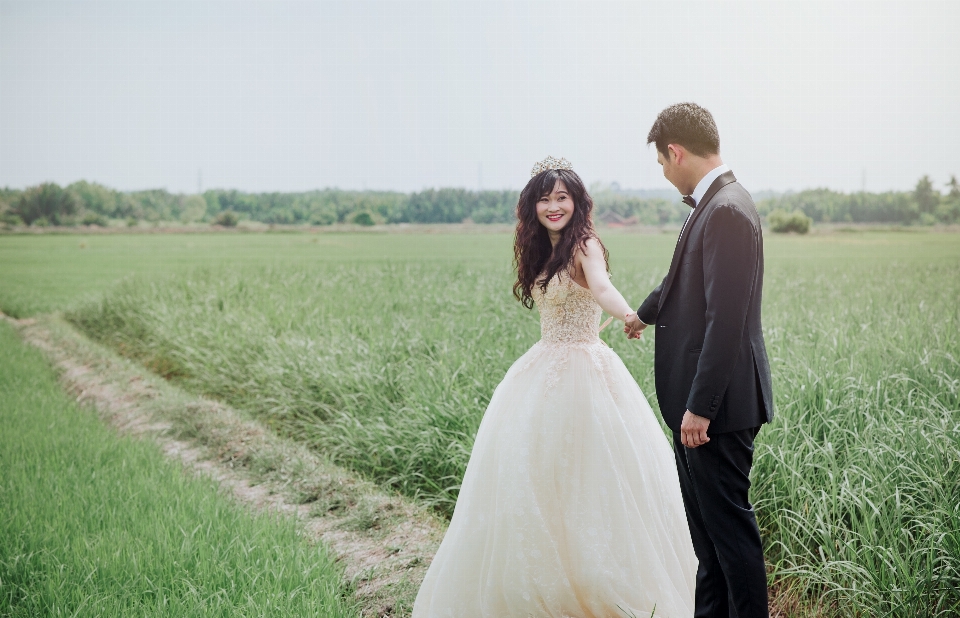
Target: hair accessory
{"x": 550, "y": 163}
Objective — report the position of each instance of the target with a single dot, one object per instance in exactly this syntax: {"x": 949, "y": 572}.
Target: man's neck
{"x": 701, "y": 167}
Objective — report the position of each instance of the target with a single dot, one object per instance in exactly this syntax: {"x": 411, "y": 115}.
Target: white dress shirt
{"x": 706, "y": 181}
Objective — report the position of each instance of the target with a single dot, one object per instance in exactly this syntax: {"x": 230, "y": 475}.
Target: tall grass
{"x": 858, "y": 482}
{"x": 388, "y": 367}
{"x": 95, "y": 525}
{"x": 385, "y": 368}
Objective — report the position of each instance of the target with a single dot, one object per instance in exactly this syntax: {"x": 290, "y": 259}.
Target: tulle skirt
{"x": 570, "y": 505}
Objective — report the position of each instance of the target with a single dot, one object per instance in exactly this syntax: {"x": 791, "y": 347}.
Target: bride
{"x": 570, "y": 505}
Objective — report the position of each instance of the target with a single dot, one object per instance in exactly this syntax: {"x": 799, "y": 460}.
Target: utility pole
{"x": 199, "y": 181}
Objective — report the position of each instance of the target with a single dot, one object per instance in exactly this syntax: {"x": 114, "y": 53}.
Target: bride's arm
{"x": 594, "y": 268}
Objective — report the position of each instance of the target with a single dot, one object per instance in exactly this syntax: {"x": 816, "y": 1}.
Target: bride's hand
{"x": 633, "y": 326}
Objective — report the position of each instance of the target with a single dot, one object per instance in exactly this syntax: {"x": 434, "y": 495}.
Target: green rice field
{"x": 381, "y": 350}
{"x": 92, "y": 524}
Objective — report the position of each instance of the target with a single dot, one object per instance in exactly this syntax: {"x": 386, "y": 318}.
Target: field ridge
{"x": 385, "y": 541}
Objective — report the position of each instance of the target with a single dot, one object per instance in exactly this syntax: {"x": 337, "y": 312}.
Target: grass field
{"x": 382, "y": 351}
{"x": 95, "y": 525}
{"x": 40, "y": 273}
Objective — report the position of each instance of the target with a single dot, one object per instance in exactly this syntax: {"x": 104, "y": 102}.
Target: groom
{"x": 712, "y": 375}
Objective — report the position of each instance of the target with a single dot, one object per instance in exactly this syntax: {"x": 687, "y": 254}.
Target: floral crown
{"x": 550, "y": 163}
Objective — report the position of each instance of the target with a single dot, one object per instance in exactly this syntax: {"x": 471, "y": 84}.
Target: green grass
{"x": 857, "y": 483}
{"x": 385, "y": 368}
{"x": 382, "y": 350}
{"x": 42, "y": 273}
{"x": 96, "y": 525}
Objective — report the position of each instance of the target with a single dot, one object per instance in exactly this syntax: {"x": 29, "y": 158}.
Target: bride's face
{"x": 556, "y": 209}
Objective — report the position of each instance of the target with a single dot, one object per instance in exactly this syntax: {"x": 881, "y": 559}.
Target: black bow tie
{"x": 689, "y": 201}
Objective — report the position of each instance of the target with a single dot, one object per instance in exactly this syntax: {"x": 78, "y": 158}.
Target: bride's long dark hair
{"x": 533, "y": 255}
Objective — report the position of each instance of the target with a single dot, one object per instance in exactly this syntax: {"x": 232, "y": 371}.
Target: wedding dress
{"x": 570, "y": 505}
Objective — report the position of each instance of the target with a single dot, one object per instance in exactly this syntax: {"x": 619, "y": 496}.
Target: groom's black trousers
{"x": 714, "y": 481}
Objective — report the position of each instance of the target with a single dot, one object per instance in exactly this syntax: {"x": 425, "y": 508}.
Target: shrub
{"x": 486, "y": 215}
{"x": 323, "y": 217}
{"x": 10, "y": 219}
{"x": 227, "y": 218}
{"x": 363, "y": 218}
{"x": 92, "y": 218}
{"x": 782, "y": 222}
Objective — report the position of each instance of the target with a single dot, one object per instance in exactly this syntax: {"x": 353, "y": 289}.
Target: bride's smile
{"x": 555, "y": 209}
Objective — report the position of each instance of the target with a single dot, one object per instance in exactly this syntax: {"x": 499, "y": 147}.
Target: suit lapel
{"x": 722, "y": 180}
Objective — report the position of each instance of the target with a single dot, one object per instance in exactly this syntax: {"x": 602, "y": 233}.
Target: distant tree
{"x": 824, "y": 205}
{"x": 438, "y": 206}
{"x": 949, "y": 209}
{"x": 92, "y": 203}
{"x": 954, "y": 186}
{"x": 157, "y": 204}
{"x": 193, "y": 208}
{"x": 95, "y": 197}
{"x": 8, "y": 199}
{"x": 485, "y": 214}
{"x": 49, "y": 202}
{"x": 926, "y": 197}
{"x": 613, "y": 205}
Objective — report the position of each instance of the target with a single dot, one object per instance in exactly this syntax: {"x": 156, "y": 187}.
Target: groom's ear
{"x": 675, "y": 153}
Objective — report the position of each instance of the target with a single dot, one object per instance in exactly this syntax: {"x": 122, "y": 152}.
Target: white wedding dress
{"x": 570, "y": 505}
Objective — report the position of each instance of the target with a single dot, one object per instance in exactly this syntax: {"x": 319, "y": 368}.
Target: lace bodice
{"x": 568, "y": 312}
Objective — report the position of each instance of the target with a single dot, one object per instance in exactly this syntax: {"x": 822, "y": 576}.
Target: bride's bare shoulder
{"x": 591, "y": 249}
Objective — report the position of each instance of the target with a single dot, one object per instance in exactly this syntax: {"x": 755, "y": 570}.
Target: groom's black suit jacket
{"x": 710, "y": 355}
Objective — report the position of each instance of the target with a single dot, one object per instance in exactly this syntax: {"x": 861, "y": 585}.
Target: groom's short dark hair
{"x": 686, "y": 124}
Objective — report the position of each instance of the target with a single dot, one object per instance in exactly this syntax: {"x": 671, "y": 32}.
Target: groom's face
{"x": 671, "y": 170}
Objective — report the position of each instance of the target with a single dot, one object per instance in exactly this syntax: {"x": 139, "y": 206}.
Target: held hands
{"x": 633, "y": 326}
{"x": 693, "y": 430}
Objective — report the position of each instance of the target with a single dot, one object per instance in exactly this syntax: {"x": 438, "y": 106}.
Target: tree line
{"x": 86, "y": 203}
{"x": 925, "y": 205}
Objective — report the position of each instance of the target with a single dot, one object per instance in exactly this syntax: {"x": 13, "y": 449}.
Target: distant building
{"x": 615, "y": 220}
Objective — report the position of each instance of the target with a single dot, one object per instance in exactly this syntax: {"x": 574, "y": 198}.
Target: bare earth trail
{"x": 383, "y": 541}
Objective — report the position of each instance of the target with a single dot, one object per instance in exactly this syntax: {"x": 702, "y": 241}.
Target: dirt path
{"x": 383, "y": 541}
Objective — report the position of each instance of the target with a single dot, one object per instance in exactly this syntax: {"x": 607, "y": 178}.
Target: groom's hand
{"x": 693, "y": 430}
{"x": 633, "y": 326}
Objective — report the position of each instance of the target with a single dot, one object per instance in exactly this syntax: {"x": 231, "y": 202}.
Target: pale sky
{"x": 402, "y": 95}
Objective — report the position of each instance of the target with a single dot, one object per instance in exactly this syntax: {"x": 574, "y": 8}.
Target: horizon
{"x": 612, "y": 186}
